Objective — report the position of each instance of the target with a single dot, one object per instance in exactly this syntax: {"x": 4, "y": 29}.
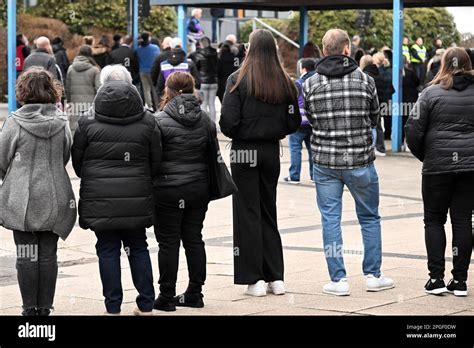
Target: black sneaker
{"x": 29, "y": 312}
{"x": 193, "y": 300}
{"x": 435, "y": 287}
{"x": 457, "y": 287}
{"x": 163, "y": 303}
{"x": 43, "y": 312}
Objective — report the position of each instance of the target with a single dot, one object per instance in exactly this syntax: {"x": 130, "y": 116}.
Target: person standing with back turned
{"x": 342, "y": 106}
{"x": 440, "y": 133}
{"x": 260, "y": 108}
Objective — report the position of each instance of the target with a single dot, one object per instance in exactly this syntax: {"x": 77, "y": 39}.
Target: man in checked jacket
{"x": 342, "y": 106}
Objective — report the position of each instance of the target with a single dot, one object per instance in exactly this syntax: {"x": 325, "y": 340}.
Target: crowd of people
{"x": 141, "y": 144}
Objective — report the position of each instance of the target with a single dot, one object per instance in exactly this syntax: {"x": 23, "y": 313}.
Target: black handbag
{"x": 221, "y": 183}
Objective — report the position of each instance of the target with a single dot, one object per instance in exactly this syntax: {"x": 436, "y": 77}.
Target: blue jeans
{"x": 108, "y": 246}
{"x": 296, "y": 145}
{"x": 363, "y": 184}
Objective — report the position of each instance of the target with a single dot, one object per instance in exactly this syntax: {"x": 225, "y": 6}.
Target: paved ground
{"x": 79, "y": 289}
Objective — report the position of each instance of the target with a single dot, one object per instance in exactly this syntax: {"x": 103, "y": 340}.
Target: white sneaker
{"x": 380, "y": 154}
{"x": 340, "y": 288}
{"x": 378, "y": 284}
{"x": 139, "y": 313}
{"x": 258, "y": 289}
{"x": 277, "y": 287}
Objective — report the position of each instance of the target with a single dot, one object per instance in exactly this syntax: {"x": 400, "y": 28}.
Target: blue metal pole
{"x": 11, "y": 14}
{"x": 135, "y": 23}
{"x": 182, "y": 30}
{"x": 397, "y": 76}
{"x": 304, "y": 27}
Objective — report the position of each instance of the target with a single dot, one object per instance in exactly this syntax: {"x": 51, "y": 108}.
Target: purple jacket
{"x": 299, "y": 85}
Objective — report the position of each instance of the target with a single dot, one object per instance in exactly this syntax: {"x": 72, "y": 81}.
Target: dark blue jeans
{"x": 108, "y": 246}
{"x": 296, "y": 145}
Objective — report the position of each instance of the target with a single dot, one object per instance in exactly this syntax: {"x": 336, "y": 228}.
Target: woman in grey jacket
{"x": 82, "y": 84}
{"x": 36, "y": 197}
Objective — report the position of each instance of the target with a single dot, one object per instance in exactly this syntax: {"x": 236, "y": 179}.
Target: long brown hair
{"x": 454, "y": 61}
{"x": 265, "y": 78}
{"x": 176, "y": 84}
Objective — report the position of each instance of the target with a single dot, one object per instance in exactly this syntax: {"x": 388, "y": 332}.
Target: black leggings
{"x": 453, "y": 193}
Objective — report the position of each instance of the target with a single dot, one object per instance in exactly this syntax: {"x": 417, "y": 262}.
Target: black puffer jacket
{"x": 116, "y": 153}
{"x": 245, "y": 118}
{"x": 440, "y": 130}
{"x": 206, "y": 63}
{"x": 184, "y": 142}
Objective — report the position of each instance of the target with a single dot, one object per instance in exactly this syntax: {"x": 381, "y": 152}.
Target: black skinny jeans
{"x": 37, "y": 267}
{"x": 453, "y": 192}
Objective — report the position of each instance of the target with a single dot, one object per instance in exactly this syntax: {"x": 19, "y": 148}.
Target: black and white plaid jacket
{"x": 342, "y": 106}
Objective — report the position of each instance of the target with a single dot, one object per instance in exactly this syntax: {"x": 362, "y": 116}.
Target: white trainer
{"x": 378, "y": 284}
{"x": 277, "y": 287}
{"x": 258, "y": 289}
{"x": 340, "y": 288}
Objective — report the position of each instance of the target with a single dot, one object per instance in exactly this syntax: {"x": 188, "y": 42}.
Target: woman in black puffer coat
{"x": 116, "y": 155}
{"x": 182, "y": 191}
{"x": 440, "y": 132}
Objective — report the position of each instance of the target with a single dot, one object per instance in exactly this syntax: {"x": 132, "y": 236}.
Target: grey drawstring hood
{"x": 41, "y": 120}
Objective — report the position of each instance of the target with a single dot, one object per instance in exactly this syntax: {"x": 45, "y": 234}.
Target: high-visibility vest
{"x": 421, "y": 53}
{"x": 406, "y": 52}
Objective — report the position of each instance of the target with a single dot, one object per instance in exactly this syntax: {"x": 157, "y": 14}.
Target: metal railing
{"x": 273, "y": 30}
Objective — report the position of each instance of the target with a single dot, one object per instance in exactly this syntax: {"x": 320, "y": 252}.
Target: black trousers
{"x": 258, "y": 252}
{"x": 180, "y": 213}
{"x": 37, "y": 267}
{"x": 453, "y": 192}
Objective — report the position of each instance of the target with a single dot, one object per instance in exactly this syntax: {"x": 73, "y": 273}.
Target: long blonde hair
{"x": 454, "y": 61}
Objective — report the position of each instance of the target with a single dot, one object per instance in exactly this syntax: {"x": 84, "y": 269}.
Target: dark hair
{"x": 37, "y": 86}
{"x": 264, "y": 76}
{"x": 19, "y": 40}
{"x": 88, "y": 40}
{"x": 86, "y": 51}
{"x": 177, "y": 83}
{"x": 104, "y": 41}
{"x": 145, "y": 36}
{"x": 57, "y": 41}
{"x": 205, "y": 42}
{"x": 358, "y": 55}
{"x": 309, "y": 64}
{"x": 454, "y": 61}
{"x": 117, "y": 37}
{"x": 310, "y": 50}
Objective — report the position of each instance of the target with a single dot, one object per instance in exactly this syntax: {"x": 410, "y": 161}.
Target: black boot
{"x": 43, "y": 312}
{"x": 29, "y": 312}
{"x": 189, "y": 299}
{"x": 164, "y": 303}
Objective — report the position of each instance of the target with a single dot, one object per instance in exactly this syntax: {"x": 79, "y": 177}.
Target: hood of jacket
{"x": 307, "y": 75}
{"x": 58, "y": 47}
{"x": 462, "y": 81}
{"x": 372, "y": 70}
{"x": 41, "y": 120}
{"x": 207, "y": 51}
{"x": 176, "y": 57}
{"x": 81, "y": 63}
{"x": 192, "y": 109}
{"x": 118, "y": 102}
{"x": 336, "y": 66}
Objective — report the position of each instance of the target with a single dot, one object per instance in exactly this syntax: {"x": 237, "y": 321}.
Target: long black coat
{"x": 184, "y": 142}
{"x": 116, "y": 153}
{"x": 440, "y": 129}
{"x": 246, "y": 118}
{"x": 206, "y": 63}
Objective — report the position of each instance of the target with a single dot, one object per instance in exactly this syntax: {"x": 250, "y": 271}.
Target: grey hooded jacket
{"x": 36, "y": 193}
